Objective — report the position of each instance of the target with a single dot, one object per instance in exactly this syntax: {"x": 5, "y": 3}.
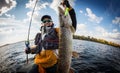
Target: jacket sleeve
{"x": 73, "y": 18}
{"x": 36, "y": 49}
{"x": 37, "y": 38}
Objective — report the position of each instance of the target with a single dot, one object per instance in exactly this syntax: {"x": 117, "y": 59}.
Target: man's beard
{"x": 47, "y": 28}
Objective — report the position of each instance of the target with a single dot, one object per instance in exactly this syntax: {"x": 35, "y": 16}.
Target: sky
{"x": 95, "y": 18}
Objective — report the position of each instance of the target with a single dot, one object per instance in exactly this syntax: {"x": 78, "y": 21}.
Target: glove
{"x": 66, "y": 2}
{"x": 27, "y": 50}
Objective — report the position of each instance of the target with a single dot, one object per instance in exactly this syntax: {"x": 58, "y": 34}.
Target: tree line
{"x": 88, "y": 38}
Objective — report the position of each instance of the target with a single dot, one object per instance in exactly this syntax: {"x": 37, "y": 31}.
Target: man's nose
{"x": 47, "y": 24}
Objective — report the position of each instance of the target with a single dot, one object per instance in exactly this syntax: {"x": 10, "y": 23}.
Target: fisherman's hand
{"x": 66, "y": 3}
{"x": 27, "y": 50}
{"x": 33, "y": 49}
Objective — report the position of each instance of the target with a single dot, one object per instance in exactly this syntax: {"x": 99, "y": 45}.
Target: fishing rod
{"x": 27, "y": 42}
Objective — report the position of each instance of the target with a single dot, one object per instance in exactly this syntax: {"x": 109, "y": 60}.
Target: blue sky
{"x": 95, "y": 18}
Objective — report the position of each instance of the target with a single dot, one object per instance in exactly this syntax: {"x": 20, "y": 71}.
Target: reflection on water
{"x": 93, "y": 58}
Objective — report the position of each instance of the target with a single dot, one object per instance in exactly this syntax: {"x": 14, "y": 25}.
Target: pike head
{"x": 65, "y": 20}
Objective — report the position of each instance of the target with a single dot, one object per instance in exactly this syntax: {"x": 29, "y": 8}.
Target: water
{"x": 93, "y": 58}
{"x": 96, "y": 58}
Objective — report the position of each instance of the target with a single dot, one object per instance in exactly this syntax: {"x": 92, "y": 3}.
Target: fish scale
{"x": 65, "y": 43}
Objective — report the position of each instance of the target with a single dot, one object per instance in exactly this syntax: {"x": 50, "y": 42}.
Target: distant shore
{"x": 92, "y": 39}
{"x": 4, "y": 45}
{"x": 88, "y": 38}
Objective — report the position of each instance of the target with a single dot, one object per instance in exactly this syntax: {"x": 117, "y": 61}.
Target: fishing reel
{"x": 27, "y": 43}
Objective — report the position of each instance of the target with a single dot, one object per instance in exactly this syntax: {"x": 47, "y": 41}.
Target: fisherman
{"x": 46, "y": 44}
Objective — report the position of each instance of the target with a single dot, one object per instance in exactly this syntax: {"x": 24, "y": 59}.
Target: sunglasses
{"x": 44, "y": 21}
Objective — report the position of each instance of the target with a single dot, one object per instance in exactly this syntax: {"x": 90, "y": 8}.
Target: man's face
{"x": 47, "y": 22}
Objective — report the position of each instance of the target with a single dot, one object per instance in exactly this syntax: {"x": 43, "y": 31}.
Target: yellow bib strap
{"x": 46, "y": 58}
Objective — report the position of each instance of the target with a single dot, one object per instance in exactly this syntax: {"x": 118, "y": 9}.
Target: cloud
{"x": 8, "y": 21}
{"x": 92, "y": 16}
{"x": 116, "y": 20}
{"x": 101, "y": 31}
{"x": 114, "y": 35}
{"x": 98, "y": 32}
{"x": 81, "y": 11}
{"x": 81, "y": 26}
{"x": 9, "y": 15}
{"x": 82, "y": 30}
{"x": 30, "y": 4}
{"x": 6, "y": 30}
{"x": 8, "y": 25}
{"x": 12, "y": 30}
{"x": 36, "y": 16}
{"x": 39, "y": 5}
{"x": 54, "y": 5}
{"x": 115, "y": 30}
{"x": 6, "y": 5}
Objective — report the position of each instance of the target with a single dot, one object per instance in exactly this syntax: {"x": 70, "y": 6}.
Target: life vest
{"x": 47, "y": 58}
{"x": 51, "y": 40}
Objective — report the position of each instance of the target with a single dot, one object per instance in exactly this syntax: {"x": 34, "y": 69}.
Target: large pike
{"x": 65, "y": 42}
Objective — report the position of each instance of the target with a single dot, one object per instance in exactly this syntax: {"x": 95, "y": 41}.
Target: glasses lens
{"x": 44, "y": 21}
